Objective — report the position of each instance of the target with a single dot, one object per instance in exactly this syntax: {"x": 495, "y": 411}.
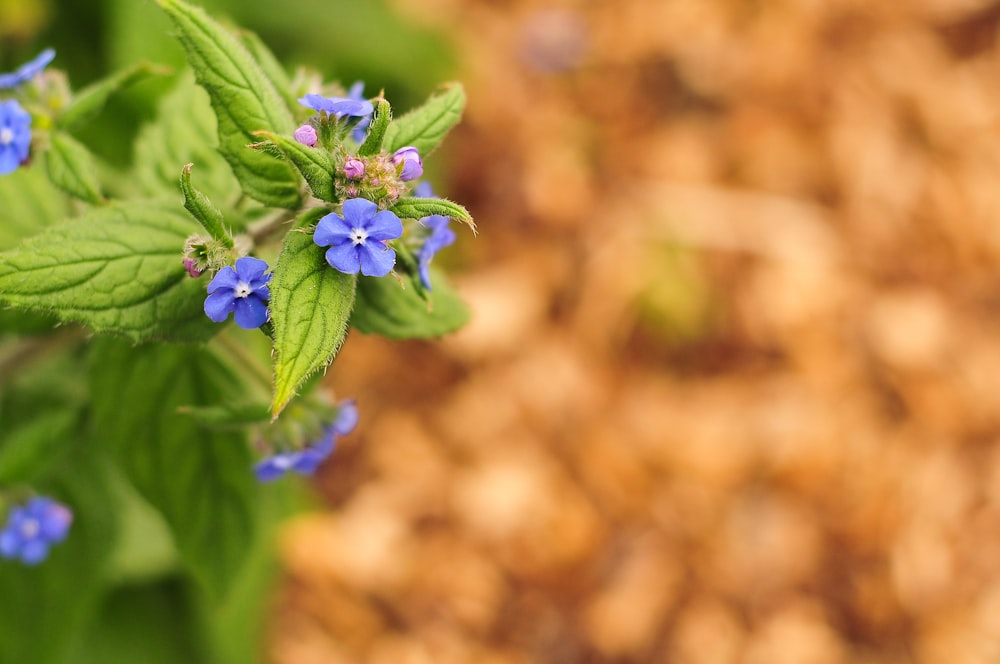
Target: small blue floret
{"x": 15, "y": 136}
{"x": 32, "y": 529}
{"x": 306, "y": 461}
{"x": 357, "y": 239}
{"x": 242, "y": 291}
{"x": 438, "y": 237}
{"x": 338, "y": 106}
{"x": 356, "y": 92}
{"x": 27, "y": 71}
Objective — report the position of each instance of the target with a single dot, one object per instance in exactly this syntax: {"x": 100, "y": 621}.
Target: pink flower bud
{"x": 354, "y": 168}
{"x": 306, "y": 135}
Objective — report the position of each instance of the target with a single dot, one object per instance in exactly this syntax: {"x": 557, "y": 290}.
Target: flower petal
{"x": 347, "y": 417}
{"x": 384, "y": 226}
{"x": 344, "y": 257}
{"x": 315, "y": 102}
{"x": 331, "y": 229}
{"x": 359, "y": 211}
{"x": 219, "y": 305}
{"x": 376, "y": 259}
{"x": 226, "y": 278}
{"x": 250, "y": 269}
{"x": 251, "y": 312}
{"x": 34, "y": 551}
{"x": 275, "y": 466}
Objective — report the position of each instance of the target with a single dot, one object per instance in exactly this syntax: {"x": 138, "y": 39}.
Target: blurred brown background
{"x": 732, "y": 390}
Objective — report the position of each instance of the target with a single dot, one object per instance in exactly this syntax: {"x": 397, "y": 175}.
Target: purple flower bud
{"x": 190, "y": 265}
{"x": 412, "y": 165}
{"x": 354, "y": 168}
{"x": 306, "y": 135}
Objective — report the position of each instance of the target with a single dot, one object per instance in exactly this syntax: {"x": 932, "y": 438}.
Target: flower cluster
{"x": 241, "y": 290}
{"x": 307, "y": 460}
{"x": 33, "y": 528}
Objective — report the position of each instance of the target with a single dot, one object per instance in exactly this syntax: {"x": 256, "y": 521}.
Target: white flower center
{"x": 242, "y": 289}
{"x": 358, "y": 236}
{"x": 6, "y": 136}
{"x": 30, "y": 528}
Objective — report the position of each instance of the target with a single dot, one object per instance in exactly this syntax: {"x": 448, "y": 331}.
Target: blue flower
{"x": 243, "y": 290}
{"x": 15, "y": 136}
{"x": 357, "y": 239}
{"x": 27, "y": 71}
{"x": 306, "y": 461}
{"x": 338, "y": 106}
{"x": 412, "y": 165}
{"x": 32, "y": 529}
{"x": 356, "y": 92}
{"x": 439, "y": 237}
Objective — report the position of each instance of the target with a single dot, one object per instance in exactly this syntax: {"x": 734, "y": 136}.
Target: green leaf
{"x": 229, "y": 415}
{"x": 244, "y": 100}
{"x": 425, "y": 127}
{"x": 203, "y": 210}
{"x": 269, "y": 64}
{"x": 30, "y": 203}
{"x": 376, "y": 130}
{"x": 56, "y": 599}
{"x": 150, "y": 623}
{"x": 202, "y": 484}
{"x": 398, "y": 312}
{"x": 40, "y": 408}
{"x": 71, "y": 167}
{"x": 310, "y": 305}
{"x": 315, "y": 164}
{"x": 117, "y": 269}
{"x": 183, "y": 133}
{"x": 88, "y": 102}
{"x": 418, "y": 208}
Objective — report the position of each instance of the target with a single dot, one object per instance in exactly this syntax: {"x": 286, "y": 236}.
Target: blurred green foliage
{"x": 342, "y": 40}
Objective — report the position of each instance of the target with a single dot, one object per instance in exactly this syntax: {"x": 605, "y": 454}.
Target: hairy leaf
{"x": 376, "y": 130}
{"x": 425, "y": 127}
{"x": 315, "y": 164}
{"x": 310, "y": 305}
{"x": 399, "y": 312}
{"x": 244, "y": 100}
{"x": 418, "y": 208}
{"x": 203, "y": 210}
{"x": 117, "y": 269}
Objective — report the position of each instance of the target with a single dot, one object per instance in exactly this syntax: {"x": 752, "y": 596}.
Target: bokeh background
{"x": 732, "y": 388}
